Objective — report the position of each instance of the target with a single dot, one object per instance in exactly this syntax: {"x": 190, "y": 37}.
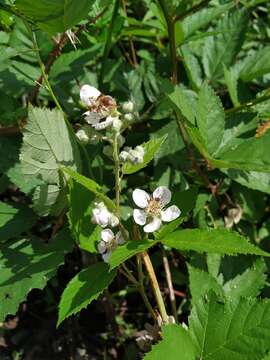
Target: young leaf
{"x": 42, "y": 153}
{"x": 83, "y": 289}
{"x": 80, "y": 213}
{"x": 129, "y": 249}
{"x": 236, "y": 330}
{"x": 150, "y": 149}
{"x": 256, "y": 65}
{"x": 14, "y": 220}
{"x": 219, "y": 241}
{"x": 175, "y": 344}
{"x": 55, "y": 16}
{"x": 90, "y": 185}
{"x": 210, "y": 118}
{"x": 28, "y": 264}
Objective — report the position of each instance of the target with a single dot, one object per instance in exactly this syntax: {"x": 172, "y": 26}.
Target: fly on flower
{"x": 99, "y": 106}
{"x": 153, "y": 211}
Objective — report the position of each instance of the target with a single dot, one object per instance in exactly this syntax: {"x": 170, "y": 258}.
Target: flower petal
{"x": 141, "y": 198}
{"x": 154, "y": 225}
{"x": 139, "y": 216}
{"x": 170, "y": 214}
{"x": 104, "y": 124}
{"x": 106, "y": 256}
{"x": 114, "y": 221}
{"x": 107, "y": 235}
{"x": 89, "y": 94}
{"x": 92, "y": 117}
{"x": 119, "y": 238}
{"x": 102, "y": 247}
{"x": 163, "y": 194}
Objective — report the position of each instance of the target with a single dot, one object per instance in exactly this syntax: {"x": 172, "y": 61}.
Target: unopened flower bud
{"x": 84, "y": 134}
{"x": 117, "y": 124}
{"x": 128, "y": 106}
{"x": 129, "y": 117}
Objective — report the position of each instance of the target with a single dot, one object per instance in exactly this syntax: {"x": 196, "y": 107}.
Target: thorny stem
{"x": 170, "y": 283}
{"x": 155, "y": 286}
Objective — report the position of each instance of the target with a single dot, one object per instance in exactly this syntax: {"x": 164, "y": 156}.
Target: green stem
{"x": 42, "y": 68}
{"x": 117, "y": 174}
{"x": 108, "y": 42}
{"x": 249, "y": 104}
{"x": 125, "y": 271}
{"x": 171, "y": 34}
{"x": 155, "y": 286}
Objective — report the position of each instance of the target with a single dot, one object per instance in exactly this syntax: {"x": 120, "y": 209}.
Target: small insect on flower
{"x": 109, "y": 242}
{"x": 99, "y": 107}
{"x": 153, "y": 212}
{"x": 103, "y": 217}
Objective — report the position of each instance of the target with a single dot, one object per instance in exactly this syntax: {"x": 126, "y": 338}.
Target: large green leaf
{"x": 14, "y": 220}
{"x": 28, "y": 264}
{"x": 251, "y": 179}
{"x": 91, "y": 185}
{"x": 150, "y": 149}
{"x": 175, "y": 344}
{"x": 256, "y": 64}
{"x": 55, "y": 16}
{"x": 210, "y": 118}
{"x": 223, "y": 48}
{"x": 42, "y": 154}
{"x": 218, "y": 241}
{"x": 83, "y": 289}
{"x": 249, "y": 155}
{"x": 236, "y": 330}
{"x": 80, "y": 212}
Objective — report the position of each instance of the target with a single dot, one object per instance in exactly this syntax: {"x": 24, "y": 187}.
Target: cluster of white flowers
{"x": 133, "y": 155}
{"x": 102, "y": 109}
{"x": 103, "y": 217}
{"x": 109, "y": 241}
{"x": 152, "y": 212}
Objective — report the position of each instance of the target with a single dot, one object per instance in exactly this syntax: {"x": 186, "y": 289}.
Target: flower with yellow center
{"x": 152, "y": 211}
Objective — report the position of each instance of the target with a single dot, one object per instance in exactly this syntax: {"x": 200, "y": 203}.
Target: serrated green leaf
{"x": 223, "y": 48}
{"x": 54, "y": 16}
{"x": 150, "y": 149}
{"x": 28, "y": 264}
{"x": 256, "y": 65}
{"x": 231, "y": 80}
{"x": 175, "y": 344}
{"x": 129, "y": 249}
{"x": 202, "y": 18}
{"x": 201, "y": 283}
{"x": 42, "y": 154}
{"x": 219, "y": 241}
{"x": 14, "y": 220}
{"x": 251, "y": 179}
{"x": 83, "y": 289}
{"x": 236, "y": 330}
{"x": 91, "y": 185}
{"x": 79, "y": 215}
{"x": 247, "y": 284}
{"x": 210, "y": 118}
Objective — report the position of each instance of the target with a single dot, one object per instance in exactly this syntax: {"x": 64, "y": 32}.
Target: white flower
{"x": 128, "y": 107}
{"x": 153, "y": 212}
{"x": 99, "y": 107}
{"x": 89, "y": 94}
{"x": 103, "y": 217}
{"x": 109, "y": 242}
